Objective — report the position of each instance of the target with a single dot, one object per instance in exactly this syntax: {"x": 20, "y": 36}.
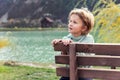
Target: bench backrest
{"x": 105, "y": 55}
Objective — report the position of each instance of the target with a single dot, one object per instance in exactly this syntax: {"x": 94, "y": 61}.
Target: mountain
{"x": 24, "y": 13}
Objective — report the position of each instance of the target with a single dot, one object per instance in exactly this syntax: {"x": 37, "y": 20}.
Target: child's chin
{"x": 69, "y": 30}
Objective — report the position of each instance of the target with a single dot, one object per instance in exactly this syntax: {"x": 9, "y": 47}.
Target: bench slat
{"x": 62, "y": 71}
{"x": 99, "y": 49}
{"x": 62, "y": 59}
{"x": 90, "y": 60}
{"x": 109, "y": 74}
{"x": 99, "y": 60}
{"x": 61, "y": 47}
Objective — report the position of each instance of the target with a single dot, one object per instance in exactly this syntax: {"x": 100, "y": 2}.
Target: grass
{"x": 26, "y": 73}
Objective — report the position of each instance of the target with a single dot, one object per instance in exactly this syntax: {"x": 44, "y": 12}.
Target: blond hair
{"x": 86, "y": 16}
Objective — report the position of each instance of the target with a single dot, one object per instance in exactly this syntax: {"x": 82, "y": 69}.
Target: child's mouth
{"x": 70, "y": 28}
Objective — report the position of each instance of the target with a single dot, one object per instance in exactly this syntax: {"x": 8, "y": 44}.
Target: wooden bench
{"x": 105, "y": 55}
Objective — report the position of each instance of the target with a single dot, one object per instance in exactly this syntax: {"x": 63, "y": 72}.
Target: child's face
{"x": 75, "y": 25}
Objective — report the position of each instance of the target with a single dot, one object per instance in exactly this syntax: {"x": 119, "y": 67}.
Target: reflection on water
{"x": 4, "y": 42}
{"x": 30, "y": 46}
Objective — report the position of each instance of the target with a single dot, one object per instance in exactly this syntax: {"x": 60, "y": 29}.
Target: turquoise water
{"x": 30, "y": 46}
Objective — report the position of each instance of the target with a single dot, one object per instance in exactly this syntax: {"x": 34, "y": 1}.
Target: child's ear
{"x": 84, "y": 28}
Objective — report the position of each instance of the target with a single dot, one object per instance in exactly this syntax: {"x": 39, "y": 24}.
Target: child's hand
{"x": 55, "y": 41}
{"x": 66, "y": 41}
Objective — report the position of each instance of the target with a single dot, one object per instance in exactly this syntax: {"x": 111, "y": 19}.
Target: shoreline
{"x": 31, "y": 64}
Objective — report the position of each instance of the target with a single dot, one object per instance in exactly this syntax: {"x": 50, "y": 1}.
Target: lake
{"x": 30, "y": 46}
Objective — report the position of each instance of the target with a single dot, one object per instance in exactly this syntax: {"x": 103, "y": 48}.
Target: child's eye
{"x": 75, "y": 22}
{"x": 72, "y": 21}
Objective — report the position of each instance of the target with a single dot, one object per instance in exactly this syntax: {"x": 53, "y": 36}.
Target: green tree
{"x": 107, "y": 24}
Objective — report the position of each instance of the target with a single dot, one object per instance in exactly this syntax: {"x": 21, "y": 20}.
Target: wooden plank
{"x": 73, "y": 62}
{"x": 61, "y": 47}
{"x": 90, "y": 60}
{"x": 99, "y": 60}
{"x": 62, "y": 71}
{"x": 62, "y": 59}
{"x": 99, "y": 49}
{"x": 107, "y": 74}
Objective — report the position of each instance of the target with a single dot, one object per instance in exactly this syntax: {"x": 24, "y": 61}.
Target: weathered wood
{"x": 73, "y": 62}
{"x": 91, "y": 60}
{"x": 61, "y": 47}
{"x": 99, "y": 49}
{"x": 106, "y": 74}
{"x": 62, "y": 71}
{"x": 62, "y": 59}
{"x": 106, "y": 55}
{"x": 99, "y": 60}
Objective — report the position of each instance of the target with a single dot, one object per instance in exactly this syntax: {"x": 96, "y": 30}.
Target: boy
{"x": 81, "y": 21}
